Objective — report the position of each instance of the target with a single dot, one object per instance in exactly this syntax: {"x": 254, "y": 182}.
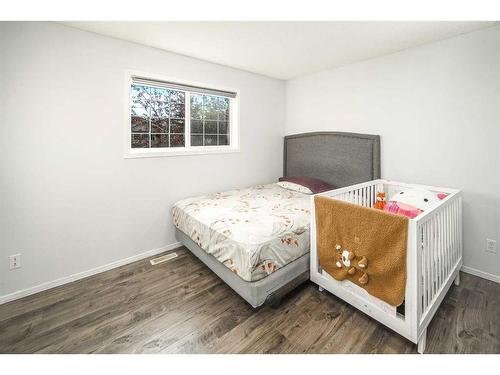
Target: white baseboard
{"x": 80, "y": 275}
{"x": 482, "y": 274}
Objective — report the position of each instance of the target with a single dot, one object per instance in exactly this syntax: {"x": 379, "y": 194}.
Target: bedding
{"x": 253, "y": 231}
{"x": 295, "y": 187}
{"x": 314, "y": 185}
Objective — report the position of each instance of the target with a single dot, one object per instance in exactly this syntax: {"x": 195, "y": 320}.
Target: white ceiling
{"x": 282, "y": 50}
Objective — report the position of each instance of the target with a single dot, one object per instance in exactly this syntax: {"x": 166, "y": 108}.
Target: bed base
{"x": 268, "y": 290}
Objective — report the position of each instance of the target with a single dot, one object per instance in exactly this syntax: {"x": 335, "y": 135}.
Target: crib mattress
{"x": 253, "y": 231}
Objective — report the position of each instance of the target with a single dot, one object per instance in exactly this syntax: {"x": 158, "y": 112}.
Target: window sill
{"x": 155, "y": 153}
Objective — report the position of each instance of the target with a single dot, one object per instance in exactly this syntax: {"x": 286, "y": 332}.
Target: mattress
{"x": 253, "y": 231}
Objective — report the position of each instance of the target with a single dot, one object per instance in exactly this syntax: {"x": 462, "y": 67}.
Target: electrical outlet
{"x": 15, "y": 261}
{"x": 491, "y": 246}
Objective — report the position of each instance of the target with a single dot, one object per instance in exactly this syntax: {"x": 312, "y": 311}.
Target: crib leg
{"x": 422, "y": 342}
{"x": 457, "y": 279}
{"x": 320, "y": 288}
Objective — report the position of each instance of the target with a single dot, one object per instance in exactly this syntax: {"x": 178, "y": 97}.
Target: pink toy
{"x": 412, "y": 202}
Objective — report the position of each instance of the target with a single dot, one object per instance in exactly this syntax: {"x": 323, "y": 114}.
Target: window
{"x": 167, "y": 118}
{"x": 157, "y": 117}
{"x": 209, "y": 120}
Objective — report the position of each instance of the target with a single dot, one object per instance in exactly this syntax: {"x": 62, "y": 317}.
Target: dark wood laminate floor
{"x": 181, "y": 307}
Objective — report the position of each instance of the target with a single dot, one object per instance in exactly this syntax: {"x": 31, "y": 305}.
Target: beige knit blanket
{"x": 363, "y": 245}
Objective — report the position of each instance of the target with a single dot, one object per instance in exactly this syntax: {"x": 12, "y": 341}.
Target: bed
{"x": 257, "y": 239}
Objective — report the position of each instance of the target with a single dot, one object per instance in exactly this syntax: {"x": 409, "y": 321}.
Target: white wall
{"x": 437, "y": 109}
{"x": 69, "y": 201}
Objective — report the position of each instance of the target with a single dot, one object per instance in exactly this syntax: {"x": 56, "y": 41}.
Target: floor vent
{"x": 163, "y": 258}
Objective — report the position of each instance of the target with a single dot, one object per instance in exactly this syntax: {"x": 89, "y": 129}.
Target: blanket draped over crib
{"x": 363, "y": 245}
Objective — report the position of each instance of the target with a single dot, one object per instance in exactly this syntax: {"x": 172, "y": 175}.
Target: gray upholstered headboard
{"x": 341, "y": 159}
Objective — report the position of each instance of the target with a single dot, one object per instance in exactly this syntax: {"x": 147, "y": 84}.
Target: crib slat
{"x": 429, "y": 251}
{"x": 429, "y": 255}
{"x": 436, "y": 257}
{"x": 460, "y": 229}
{"x": 440, "y": 251}
{"x": 420, "y": 248}
{"x": 428, "y": 265}
{"x": 432, "y": 259}
{"x": 445, "y": 244}
{"x": 439, "y": 260}
{"x": 433, "y": 255}
{"x": 439, "y": 263}
{"x": 450, "y": 237}
{"x": 458, "y": 248}
{"x": 429, "y": 259}
{"x": 427, "y": 271}
{"x": 424, "y": 265}
{"x": 446, "y": 264}
{"x": 455, "y": 231}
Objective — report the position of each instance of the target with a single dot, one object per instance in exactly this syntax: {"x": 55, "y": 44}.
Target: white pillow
{"x": 294, "y": 187}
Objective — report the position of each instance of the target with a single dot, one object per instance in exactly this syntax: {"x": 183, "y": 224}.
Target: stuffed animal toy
{"x": 380, "y": 201}
{"x": 352, "y": 263}
{"x": 412, "y": 202}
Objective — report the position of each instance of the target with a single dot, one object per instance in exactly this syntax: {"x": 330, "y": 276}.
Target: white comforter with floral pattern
{"x": 253, "y": 231}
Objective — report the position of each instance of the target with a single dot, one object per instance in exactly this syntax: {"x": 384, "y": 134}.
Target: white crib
{"x": 434, "y": 258}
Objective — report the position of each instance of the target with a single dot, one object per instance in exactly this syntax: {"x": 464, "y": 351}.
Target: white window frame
{"x": 234, "y": 121}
